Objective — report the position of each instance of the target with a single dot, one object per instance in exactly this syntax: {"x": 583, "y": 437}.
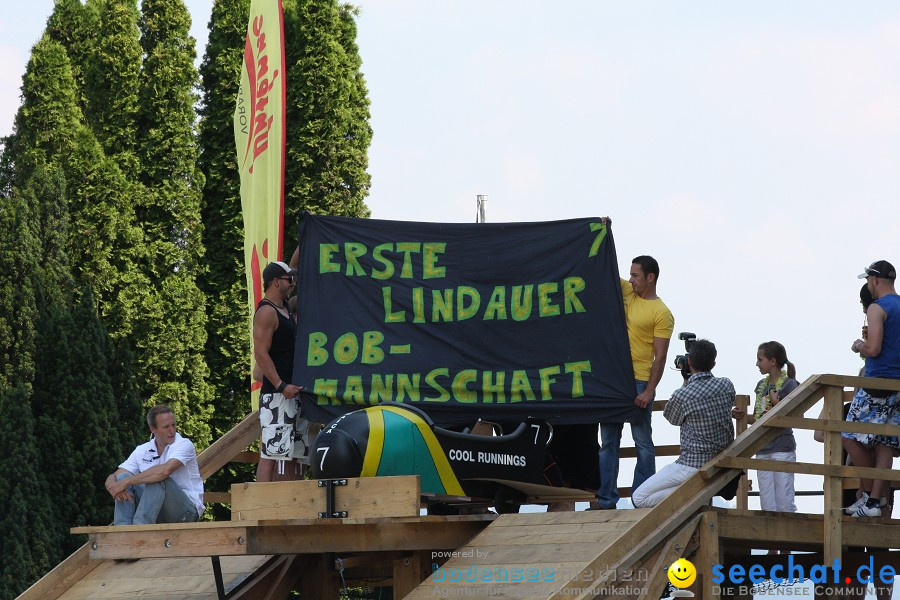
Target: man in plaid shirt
{"x": 702, "y": 408}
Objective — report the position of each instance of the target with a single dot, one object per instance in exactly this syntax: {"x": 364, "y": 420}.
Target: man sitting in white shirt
{"x": 160, "y": 481}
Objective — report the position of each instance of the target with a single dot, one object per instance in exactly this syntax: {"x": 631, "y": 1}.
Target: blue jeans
{"x": 160, "y": 502}
{"x": 610, "y": 437}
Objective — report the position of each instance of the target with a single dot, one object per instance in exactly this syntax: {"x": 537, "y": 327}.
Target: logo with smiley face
{"x": 682, "y": 573}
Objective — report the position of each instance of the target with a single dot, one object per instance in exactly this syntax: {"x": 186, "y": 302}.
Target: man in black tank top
{"x": 274, "y": 330}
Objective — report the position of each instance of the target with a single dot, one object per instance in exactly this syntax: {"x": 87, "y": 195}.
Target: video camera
{"x": 681, "y": 361}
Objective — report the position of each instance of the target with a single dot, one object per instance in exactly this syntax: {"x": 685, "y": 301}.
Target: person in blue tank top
{"x": 881, "y": 349}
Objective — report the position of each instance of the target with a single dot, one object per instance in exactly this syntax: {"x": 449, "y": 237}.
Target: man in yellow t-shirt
{"x": 650, "y": 326}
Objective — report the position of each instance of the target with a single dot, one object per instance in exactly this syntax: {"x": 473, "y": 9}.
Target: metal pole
{"x": 217, "y": 574}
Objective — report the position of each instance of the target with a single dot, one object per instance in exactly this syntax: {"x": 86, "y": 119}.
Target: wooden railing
{"x": 790, "y": 413}
{"x": 673, "y": 516}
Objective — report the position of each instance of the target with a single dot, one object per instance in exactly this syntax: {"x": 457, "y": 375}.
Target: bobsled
{"x": 399, "y": 439}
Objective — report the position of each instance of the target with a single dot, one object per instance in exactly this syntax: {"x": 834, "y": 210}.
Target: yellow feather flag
{"x": 259, "y": 134}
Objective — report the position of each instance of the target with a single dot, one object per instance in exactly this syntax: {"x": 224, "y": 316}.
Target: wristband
{"x": 281, "y": 387}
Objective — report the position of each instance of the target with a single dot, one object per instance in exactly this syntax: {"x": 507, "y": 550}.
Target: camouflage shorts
{"x": 285, "y": 434}
{"x": 880, "y": 411}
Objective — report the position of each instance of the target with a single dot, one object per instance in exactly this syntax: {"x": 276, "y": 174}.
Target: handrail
{"x": 677, "y": 509}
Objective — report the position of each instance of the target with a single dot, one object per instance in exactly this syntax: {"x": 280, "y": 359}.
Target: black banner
{"x": 497, "y": 321}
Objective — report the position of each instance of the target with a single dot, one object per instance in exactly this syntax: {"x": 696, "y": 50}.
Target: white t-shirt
{"x": 187, "y": 477}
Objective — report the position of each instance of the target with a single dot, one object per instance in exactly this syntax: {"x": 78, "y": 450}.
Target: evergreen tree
{"x": 74, "y": 26}
{"x": 29, "y": 541}
{"x": 123, "y": 376}
{"x": 33, "y": 225}
{"x": 327, "y": 114}
{"x": 77, "y": 417}
{"x": 49, "y": 120}
{"x": 327, "y": 142}
{"x": 19, "y": 249}
{"x": 46, "y": 194}
{"x": 168, "y": 148}
{"x": 111, "y": 82}
{"x": 50, "y": 131}
{"x": 228, "y": 350}
{"x": 174, "y": 321}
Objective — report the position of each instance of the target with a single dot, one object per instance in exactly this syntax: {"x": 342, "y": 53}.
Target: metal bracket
{"x": 217, "y": 575}
{"x": 329, "y": 485}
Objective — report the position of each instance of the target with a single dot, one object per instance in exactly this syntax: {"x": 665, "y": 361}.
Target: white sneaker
{"x": 868, "y": 511}
{"x": 860, "y": 502}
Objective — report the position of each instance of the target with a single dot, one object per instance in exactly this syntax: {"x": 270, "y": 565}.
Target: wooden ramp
{"x": 528, "y": 555}
{"x": 159, "y": 578}
{"x": 627, "y": 556}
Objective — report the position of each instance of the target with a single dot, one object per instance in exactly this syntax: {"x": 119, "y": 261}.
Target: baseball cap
{"x": 880, "y": 268}
{"x": 277, "y": 269}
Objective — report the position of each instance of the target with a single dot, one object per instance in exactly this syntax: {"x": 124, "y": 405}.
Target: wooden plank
{"x": 318, "y": 579}
{"x": 164, "y": 527}
{"x": 223, "y": 450}
{"x": 63, "y": 576}
{"x": 216, "y": 497}
{"x": 264, "y": 579}
{"x": 570, "y": 517}
{"x": 834, "y": 424}
{"x": 197, "y": 526}
{"x": 409, "y": 571}
{"x": 663, "y": 450}
{"x": 362, "y": 497}
{"x": 872, "y": 533}
{"x": 308, "y": 536}
{"x": 538, "y": 491}
{"x": 133, "y": 543}
{"x": 806, "y": 468}
{"x": 246, "y": 457}
{"x": 186, "y": 579}
{"x": 761, "y": 527}
{"x": 370, "y": 537}
{"x": 743, "y": 492}
{"x": 152, "y": 568}
{"x": 709, "y": 553}
{"x": 451, "y": 581}
{"x": 533, "y": 535}
{"x": 852, "y": 381}
{"x": 781, "y": 529}
{"x": 541, "y": 554}
{"x": 174, "y": 586}
{"x": 285, "y": 579}
{"x": 833, "y": 490}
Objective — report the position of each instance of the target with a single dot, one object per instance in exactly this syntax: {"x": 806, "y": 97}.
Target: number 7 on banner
{"x": 595, "y": 247}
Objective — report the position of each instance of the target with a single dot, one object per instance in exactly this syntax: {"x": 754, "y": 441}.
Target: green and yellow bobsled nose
{"x": 384, "y": 440}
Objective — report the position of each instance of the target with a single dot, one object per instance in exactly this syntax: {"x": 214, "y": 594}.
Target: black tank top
{"x": 282, "y": 349}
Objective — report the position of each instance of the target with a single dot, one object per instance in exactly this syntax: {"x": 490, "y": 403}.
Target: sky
{"x": 752, "y": 148}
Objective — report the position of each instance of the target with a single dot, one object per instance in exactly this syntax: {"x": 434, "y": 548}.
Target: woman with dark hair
{"x": 776, "y": 490}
